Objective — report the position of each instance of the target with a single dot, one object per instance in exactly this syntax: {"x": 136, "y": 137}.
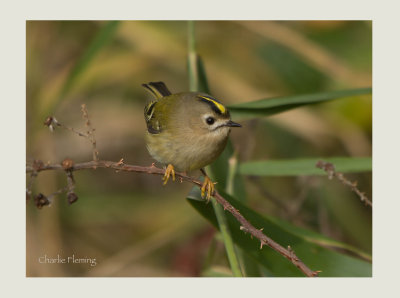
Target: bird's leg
{"x": 168, "y": 172}
{"x": 208, "y": 186}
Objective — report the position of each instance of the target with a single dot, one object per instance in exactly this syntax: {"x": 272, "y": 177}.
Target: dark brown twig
{"x": 264, "y": 240}
{"x": 245, "y": 225}
{"x": 42, "y": 200}
{"x": 329, "y": 168}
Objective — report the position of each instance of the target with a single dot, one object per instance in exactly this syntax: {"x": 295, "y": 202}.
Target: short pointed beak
{"x": 230, "y": 123}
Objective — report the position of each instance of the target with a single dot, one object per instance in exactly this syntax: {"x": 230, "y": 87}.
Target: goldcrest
{"x": 186, "y": 131}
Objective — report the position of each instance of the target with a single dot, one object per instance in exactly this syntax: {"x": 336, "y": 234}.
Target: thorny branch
{"x": 329, "y": 168}
{"x": 245, "y": 225}
{"x": 69, "y": 167}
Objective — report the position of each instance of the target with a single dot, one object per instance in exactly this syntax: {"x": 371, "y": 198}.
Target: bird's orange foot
{"x": 168, "y": 172}
{"x": 208, "y": 186}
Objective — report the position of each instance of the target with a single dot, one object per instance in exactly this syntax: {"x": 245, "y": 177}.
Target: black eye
{"x": 210, "y": 120}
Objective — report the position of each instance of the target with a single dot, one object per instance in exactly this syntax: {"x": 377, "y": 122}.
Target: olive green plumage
{"x": 188, "y": 130}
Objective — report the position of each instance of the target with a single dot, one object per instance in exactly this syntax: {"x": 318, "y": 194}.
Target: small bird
{"x": 186, "y": 131}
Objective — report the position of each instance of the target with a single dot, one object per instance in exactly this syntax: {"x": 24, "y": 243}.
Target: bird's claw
{"x": 208, "y": 186}
{"x": 168, "y": 172}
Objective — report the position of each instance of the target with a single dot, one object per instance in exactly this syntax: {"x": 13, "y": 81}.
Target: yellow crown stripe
{"x": 216, "y": 103}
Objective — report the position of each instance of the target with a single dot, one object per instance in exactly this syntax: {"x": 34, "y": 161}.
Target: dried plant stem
{"x": 30, "y": 184}
{"x": 245, "y": 225}
{"x": 52, "y": 121}
{"x": 329, "y": 168}
{"x": 90, "y": 132}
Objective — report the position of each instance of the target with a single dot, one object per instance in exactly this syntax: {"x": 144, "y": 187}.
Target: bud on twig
{"x": 49, "y": 122}
{"x": 72, "y": 198}
{"x": 41, "y": 200}
{"x": 67, "y": 164}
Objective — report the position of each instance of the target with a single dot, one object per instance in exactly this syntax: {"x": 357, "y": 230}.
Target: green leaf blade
{"x": 270, "y": 106}
{"x": 304, "y": 166}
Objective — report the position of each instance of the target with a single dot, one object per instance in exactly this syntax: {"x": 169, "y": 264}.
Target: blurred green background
{"x": 129, "y": 222}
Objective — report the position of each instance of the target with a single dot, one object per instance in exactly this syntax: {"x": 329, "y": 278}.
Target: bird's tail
{"x": 157, "y": 89}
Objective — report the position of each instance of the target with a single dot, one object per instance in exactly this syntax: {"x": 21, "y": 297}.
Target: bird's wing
{"x": 153, "y": 125}
{"x": 158, "y": 90}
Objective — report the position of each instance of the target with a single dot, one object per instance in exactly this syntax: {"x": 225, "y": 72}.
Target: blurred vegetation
{"x": 133, "y": 225}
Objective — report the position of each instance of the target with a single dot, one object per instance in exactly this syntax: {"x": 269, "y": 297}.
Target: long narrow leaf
{"x": 304, "y": 166}
{"x": 270, "y": 106}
